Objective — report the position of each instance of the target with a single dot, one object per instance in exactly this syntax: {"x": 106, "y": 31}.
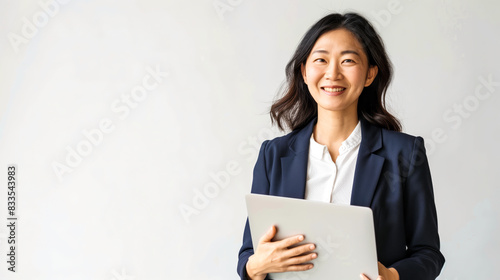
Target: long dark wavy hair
{"x": 296, "y": 107}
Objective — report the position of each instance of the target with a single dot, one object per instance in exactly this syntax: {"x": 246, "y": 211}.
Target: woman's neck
{"x": 333, "y": 128}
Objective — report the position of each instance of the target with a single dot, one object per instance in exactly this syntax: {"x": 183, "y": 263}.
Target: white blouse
{"x": 330, "y": 181}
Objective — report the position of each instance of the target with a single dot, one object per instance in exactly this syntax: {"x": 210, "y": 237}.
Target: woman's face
{"x": 337, "y": 70}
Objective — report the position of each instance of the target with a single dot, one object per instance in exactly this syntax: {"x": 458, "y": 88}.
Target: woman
{"x": 346, "y": 148}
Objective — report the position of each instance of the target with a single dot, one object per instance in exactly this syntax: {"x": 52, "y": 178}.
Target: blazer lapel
{"x": 368, "y": 165}
{"x": 294, "y": 166}
{"x": 366, "y": 176}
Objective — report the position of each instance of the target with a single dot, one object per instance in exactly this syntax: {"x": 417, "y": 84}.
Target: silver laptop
{"x": 343, "y": 234}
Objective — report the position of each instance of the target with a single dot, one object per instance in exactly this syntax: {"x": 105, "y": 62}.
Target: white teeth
{"x": 333, "y": 89}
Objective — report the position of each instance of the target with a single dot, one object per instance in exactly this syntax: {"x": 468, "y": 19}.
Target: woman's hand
{"x": 384, "y": 273}
{"x": 277, "y": 257}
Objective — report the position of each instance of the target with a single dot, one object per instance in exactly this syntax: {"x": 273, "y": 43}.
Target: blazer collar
{"x": 294, "y": 164}
{"x": 300, "y": 143}
{"x": 368, "y": 166}
{"x": 371, "y": 137}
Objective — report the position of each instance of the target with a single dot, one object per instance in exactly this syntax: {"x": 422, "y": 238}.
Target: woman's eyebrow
{"x": 321, "y": 51}
{"x": 350, "y": 52}
{"x": 342, "y": 52}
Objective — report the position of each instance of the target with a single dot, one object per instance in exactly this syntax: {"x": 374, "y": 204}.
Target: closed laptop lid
{"x": 344, "y": 235}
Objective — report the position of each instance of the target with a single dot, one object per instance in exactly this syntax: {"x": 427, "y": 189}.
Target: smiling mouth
{"x": 336, "y": 89}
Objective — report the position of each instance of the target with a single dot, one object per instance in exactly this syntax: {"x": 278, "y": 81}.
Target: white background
{"x": 116, "y": 212}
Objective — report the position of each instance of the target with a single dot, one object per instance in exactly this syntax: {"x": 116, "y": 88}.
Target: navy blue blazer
{"x": 392, "y": 177}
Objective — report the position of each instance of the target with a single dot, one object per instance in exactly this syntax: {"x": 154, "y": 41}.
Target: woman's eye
{"x": 348, "y": 61}
{"x": 319, "y": 60}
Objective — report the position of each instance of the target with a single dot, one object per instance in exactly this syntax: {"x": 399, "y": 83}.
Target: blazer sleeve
{"x": 260, "y": 185}
{"x": 424, "y": 260}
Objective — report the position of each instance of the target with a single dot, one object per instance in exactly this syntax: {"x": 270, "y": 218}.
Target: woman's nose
{"x": 333, "y": 72}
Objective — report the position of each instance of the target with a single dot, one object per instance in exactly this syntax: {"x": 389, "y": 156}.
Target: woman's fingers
{"x": 287, "y": 242}
{"x": 300, "y": 267}
{"x": 295, "y": 255}
{"x": 268, "y": 236}
{"x": 296, "y": 264}
{"x": 304, "y": 259}
{"x": 299, "y": 250}
{"x": 277, "y": 256}
{"x": 363, "y": 277}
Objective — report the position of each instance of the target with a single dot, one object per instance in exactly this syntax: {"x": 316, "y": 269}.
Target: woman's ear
{"x": 303, "y": 70}
{"x": 370, "y": 76}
